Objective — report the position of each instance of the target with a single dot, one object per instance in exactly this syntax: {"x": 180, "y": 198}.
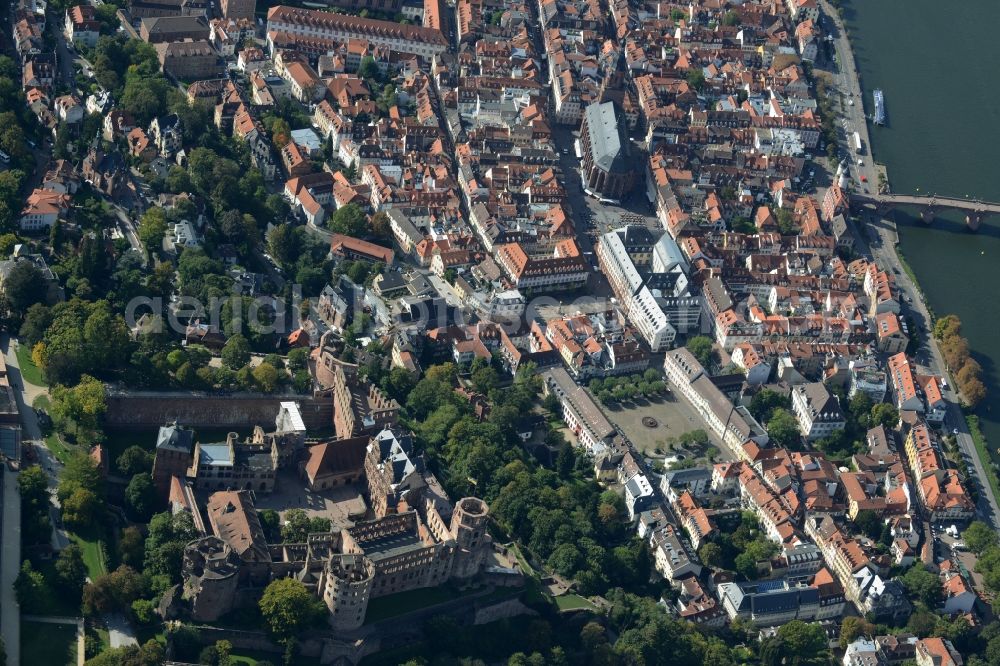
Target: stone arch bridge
{"x": 975, "y": 211}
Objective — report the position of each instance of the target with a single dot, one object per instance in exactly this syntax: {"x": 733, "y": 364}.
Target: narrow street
{"x": 127, "y": 229}
{"x": 884, "y": 251}
{"x": 26, "y": 394}
{"x": 10, "y": 566}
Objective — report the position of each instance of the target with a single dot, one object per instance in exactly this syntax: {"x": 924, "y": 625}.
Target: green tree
{"x": 786, "y": 222}
{"x": 144, "y": 611}
{"x": 149, "y": 653}
{"x": 114, "y": 591}
{"x": 297, "y": 359}
{"x": 266, "y": 376}
{"x": 296, "y": 527}
{"x": 141, "y": 495}
{"x": 884, "y": 414}
{"x": 978, "y": 536}
{"x": 37, "y": 320}
{"x": 236, "y": 352}
{"x": 80, "y": 471}
{"x": 867, "y": 522}
{"x": 270, "y": 521}
{"x": 144, "y": 98}
{"x": 33, "y": 485}
{"x": 710, "y": 555}
{"x": 922, "y": 584}
{"x": 783, "y": 428}
{"x": 764, "y": 402}
{"x": 168, "y": 534}
{"x": 134, "y": 460}
{"x": 853, "y": 628}
{"x": 152, "y": 229}
{"x": 283, "y": 242}
{"x": 80, "y": 508}
{"x": 288, "y": 607}
{"x": 80, "y": 410}
{"x": 349, "y": 220}
{"x": 24, "y": 286}
{"x": 30, "y": 588}
{"x": 130, "y": 547}
{"x": 485, "y": 379}
{"x": 700, "y": 347}
{"x": 70, "y": 569}
{"x": 696, "y": 79}
{"x": 278, "y": 208}
{"x": 797, "y": 642}
{"x": 369, "y": 71}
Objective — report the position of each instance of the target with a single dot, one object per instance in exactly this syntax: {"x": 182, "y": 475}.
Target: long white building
{"x": 637, "y": 301}
{"x": 731, "y": 423}
{"x": 341, "y": 27}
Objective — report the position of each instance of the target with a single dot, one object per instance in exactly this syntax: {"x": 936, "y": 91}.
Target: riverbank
{"x": 932, "y": 144}
{"x": 887, "y": 251}
{"x": 979, "y": 439}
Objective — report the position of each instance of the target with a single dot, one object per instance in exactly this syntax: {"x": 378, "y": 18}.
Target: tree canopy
{"x": 349, "y": 220}
{"x": 288, "y": 607}
{"x": 701, "y": 347}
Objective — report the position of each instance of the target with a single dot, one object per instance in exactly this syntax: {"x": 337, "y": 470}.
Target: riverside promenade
{"x": 884, "y": 250}
{"x": 852, "y": 116}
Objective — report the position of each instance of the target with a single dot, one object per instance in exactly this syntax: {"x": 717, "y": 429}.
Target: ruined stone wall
{"x": 144, "y": 410}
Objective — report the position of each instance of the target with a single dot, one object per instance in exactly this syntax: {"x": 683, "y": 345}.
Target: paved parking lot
{"x": 943, "y": 551}
{"x": 343, "y": 506}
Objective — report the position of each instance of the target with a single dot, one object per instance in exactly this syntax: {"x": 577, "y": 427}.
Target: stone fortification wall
{"x": 143, "y": 410}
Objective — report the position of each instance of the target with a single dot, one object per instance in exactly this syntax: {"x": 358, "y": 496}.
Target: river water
{"x": 933, "y": 61}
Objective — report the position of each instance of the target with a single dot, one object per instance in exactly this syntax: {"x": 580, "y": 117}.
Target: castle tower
{"x": 347, "y": 590}
{"x": 172, "y": 456}
{"x": 468, "y": 529}
{"x": 211, "y": 578}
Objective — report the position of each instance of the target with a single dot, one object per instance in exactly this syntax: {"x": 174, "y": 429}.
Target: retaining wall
{"x": 142, "y": 410}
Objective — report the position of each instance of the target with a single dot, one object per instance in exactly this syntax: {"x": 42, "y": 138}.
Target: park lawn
{"x": 253, "y": 657}
{"x": 568, "y": 602}
{"x": 53, "y": 442}
{"x": 58, "y": 447}
{"x": 533, "y": 594}
{"x": 406, "y": 602}
{"x": 49, "y": 644}
{"x": 395, "y": 656}
{"x": 90, "y": 544}
{"x": 30, "y": 372}
{"x": 526, "y": 568}
{"x": 105, "y": 637}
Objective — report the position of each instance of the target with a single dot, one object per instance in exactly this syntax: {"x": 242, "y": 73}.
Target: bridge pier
{"x": 974, "y": 219}
{"x": 927, "y": 214}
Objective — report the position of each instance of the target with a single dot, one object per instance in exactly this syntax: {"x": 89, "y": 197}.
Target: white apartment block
{"x": 636, "y": 300}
